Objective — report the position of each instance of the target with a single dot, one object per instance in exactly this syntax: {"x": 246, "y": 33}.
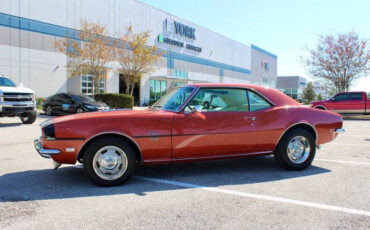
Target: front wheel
{"x": 28, "y": 118}
{"x": 79, "y": 110}
{"x": 296, "y": 150}
{"x": 109, "y": 161}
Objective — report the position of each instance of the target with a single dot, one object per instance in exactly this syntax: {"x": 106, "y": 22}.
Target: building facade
{"x": 292, "y": 86}
{"x": 192, "y": 53}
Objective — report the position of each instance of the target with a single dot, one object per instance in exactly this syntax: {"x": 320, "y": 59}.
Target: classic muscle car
{"x": 190, "y": 123}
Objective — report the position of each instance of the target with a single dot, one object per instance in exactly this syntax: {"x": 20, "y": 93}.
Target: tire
{"x": 304, "y": 143}
{"x": 49, "y": 110}
{"x": 28, "y": 118}
{"x": 79, "y": 110}
{"x": 97, "y": 168}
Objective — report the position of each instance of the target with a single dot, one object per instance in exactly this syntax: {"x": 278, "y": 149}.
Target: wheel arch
{"x": 303, "y": 125}
{"x": 122, "y": 136}
{"x": 320, "y": 107}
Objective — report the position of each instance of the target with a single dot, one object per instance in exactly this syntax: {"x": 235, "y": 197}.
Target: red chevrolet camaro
{"x": 190, "y": 123}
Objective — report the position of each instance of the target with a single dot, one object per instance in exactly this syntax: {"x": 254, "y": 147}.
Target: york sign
{"x": 184, "y": 30}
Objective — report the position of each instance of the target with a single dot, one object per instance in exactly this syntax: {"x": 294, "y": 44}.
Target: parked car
{"x": 64, "y": 103}
{"x": 190, "y": 123}
{"x": 17, "y": 101}
{"x": 345, "y": 103}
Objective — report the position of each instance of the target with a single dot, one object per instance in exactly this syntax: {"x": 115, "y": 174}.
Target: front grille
{"x": 16, "y": 94}
{"x": 17, "y": 97}
{"x": 16, "y": 110}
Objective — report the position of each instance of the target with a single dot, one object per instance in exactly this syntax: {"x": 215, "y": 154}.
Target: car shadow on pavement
{"x": 71, "y": 182}
{"x": 5, "y": 125}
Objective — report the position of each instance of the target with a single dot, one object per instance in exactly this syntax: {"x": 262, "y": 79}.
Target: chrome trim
{"x": 104, "y": 133}
{"x": 211, "y": 157}
{"x": 182, "y": 107}
{"x": 298, "y": 123}
{"x": 339, "y": 130}
{"x": 46, "y": 153}
{"x": 18, "y": 104}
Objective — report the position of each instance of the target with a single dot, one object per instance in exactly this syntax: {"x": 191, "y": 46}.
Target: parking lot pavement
{"x": 231, "y": 194}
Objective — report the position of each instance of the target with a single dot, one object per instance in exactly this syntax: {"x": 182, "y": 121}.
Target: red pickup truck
{"x": 348, "y": 102}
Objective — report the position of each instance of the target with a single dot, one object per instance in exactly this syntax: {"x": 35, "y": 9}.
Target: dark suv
{"x": 67, "y": 103}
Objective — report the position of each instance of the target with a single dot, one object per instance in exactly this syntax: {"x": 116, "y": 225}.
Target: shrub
{"x": 39, "y": 102}
{"x": 116, "y": 100}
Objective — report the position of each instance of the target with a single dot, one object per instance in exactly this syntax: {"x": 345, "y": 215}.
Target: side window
{"x": 356, "y": 96}
{"x": 257, "y": 102}
{"x": 220, "y": 99}
{"x": 341, "y": 97}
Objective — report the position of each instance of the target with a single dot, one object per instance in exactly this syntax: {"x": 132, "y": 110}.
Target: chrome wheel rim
{"x": 48, "y": 110}
{"x": 110, "y": 163}
{"x": 24, "y": 118}
{"x": 79, "y": 110}
{"x": 298, "y": 149}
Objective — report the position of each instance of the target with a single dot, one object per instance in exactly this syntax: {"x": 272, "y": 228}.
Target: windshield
{"x": 6, "y": 82}
{"x": 85, "y": 99}
{"x": 174, "y": 99}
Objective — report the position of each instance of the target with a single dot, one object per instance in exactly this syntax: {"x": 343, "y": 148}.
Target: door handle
{"x": 252, "y": 118}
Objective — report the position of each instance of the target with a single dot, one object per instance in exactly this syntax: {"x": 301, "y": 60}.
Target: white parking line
{"x": 344, "y": 162}
{"x": 258, "y": 196}
{"x": 347, "y": 144}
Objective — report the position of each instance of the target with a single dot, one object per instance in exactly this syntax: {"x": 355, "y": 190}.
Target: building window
{"x": 180, "y": 74}
{"x": 87, "y": 85}
{"x": 179, "y": 83}
{"x": 157, "y": 89}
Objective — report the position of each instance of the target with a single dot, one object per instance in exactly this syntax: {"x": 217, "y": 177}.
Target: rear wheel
{"x": 296, "y": 150}
{"x": 28, "y": 118}
{"x": 49, "y": 110}
{"x": 109, "y": 161}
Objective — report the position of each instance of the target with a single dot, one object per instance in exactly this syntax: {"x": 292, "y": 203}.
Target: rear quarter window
{"x": 257, "y": 102}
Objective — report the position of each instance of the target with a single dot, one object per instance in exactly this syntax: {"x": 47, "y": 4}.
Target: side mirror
{"x": 332, "y": 99}
{"x": 21, "y": 85}
{"x": 198, "y": 108}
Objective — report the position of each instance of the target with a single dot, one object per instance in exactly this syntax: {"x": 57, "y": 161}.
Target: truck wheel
{"x": 28, "y": 118}
{"x": 296, "y": 150}
{"x": 109, "y": 161}
{"x": 49, "y": 110}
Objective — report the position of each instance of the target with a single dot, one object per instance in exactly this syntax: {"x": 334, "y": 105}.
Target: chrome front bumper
{"x": 46, "y": 153}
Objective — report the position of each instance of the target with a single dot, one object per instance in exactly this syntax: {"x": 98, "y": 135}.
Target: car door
{"x": 55, "y": 102}
{"x": 356, "y": 103}
{"x": 339, "y": 103}
{"x": 224, "y": 126}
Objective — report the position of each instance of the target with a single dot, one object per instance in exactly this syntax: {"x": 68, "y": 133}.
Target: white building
{"x": 29, "y": 29}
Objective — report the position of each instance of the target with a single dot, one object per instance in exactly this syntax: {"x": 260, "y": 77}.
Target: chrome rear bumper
{"x": 337, "y": 130}
{"x": 46, "y": 153}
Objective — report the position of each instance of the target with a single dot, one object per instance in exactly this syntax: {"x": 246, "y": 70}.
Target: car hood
{"x": 18, "y": 89}
{"x": 109, "y": 114}
{"x": 97, "y": 104}
{"x": 316, "y": 102}
{"x": 119, "y": 121}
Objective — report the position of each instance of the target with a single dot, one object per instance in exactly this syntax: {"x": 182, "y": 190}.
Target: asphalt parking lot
{"x": 251, "y": 193}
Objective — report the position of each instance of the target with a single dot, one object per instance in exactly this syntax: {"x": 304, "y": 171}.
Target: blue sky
{"x": 282, "y": 27}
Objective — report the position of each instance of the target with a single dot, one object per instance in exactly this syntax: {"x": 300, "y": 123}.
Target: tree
{"x": 319, "y": 97}
{"x": 91, "y": 54}
{"x": 136, "y": 58}
{"x": 308, "y": 93}
{"x": 339, "y": 60}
